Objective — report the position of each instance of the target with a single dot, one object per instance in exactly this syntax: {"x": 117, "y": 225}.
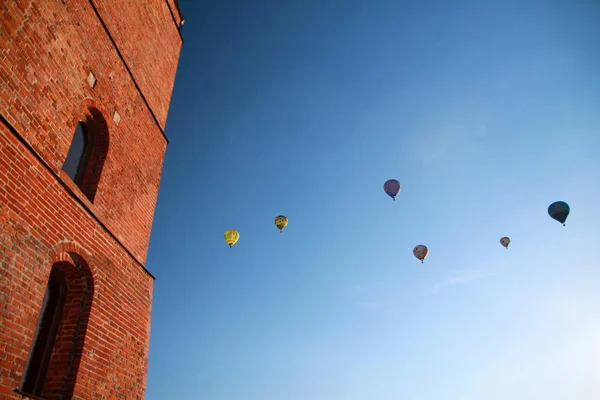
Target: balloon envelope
{"x": 281, "y": 222}
{"x": 559, "y": 211}
{"x": 392, "y": 188}
{"x": 231, "y": 237}
{"x": 421, "y": 252}
{"x": 505, "y": 241}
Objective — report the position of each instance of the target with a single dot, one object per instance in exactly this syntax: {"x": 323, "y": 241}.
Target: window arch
{"x": 57, "y": 348}
{"x": 87, "y": 152}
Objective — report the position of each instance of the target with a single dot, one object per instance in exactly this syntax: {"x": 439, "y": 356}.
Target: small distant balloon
{"x": 392, "y": 188}
{"x": 505, "y": 241}
{"x": 421, "y": 252}
{"x": 281, "y": 222}
{"x": 559, "y": 211}
{"x": 231, "y": 237}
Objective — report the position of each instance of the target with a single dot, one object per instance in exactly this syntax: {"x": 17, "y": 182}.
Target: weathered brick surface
{"x": 48, "y": 49}
{"x": 153, "y": 26}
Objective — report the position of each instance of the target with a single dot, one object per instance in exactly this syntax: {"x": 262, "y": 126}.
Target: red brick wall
{"x": 150, "y": 22}
{"x": 48, "y": 48}
{"x": 41, "y": 224}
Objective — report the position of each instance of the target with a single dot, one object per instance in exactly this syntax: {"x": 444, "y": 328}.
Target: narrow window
{"x": 87, "y": 153}
{"x": 74, "y": 163}
{"x": 45, "y": 337}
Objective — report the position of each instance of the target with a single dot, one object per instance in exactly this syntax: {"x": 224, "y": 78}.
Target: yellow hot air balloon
{"x": 281, "y": 222}
{"x": 231, "y": 237}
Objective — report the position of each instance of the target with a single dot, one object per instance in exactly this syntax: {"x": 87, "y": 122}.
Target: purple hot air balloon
{"x": 392, "y": 188}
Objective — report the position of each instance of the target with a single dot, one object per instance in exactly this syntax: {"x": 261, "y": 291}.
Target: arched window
{"x": 57, "y": 348}
{"x": 87, "y": 153}
{"x": 74, "y": 164}
{"x": 45, "y": 337}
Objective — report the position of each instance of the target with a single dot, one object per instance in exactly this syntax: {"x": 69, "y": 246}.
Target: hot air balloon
{"x": 559, "y": 210}
{"x": 281, "y": 222}
{"x": 421, "y": 252}
{"x": 392, "y": 188}
{"x": 505, "y": 241}
{"x": 231, "y": 237}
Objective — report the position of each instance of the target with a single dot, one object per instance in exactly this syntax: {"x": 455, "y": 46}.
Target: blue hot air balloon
{"x": 392, "y": 188}
{"x": 559, "y": 210}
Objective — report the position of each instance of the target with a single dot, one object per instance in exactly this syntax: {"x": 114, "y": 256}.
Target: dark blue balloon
{"x": 559, "y": 210}
{"x": 392, "y": 188}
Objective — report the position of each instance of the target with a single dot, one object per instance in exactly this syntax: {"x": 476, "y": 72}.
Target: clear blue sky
{"x": 485, "y": 113}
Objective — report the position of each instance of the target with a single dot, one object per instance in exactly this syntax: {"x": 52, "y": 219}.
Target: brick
{"x": 99, "y": 241}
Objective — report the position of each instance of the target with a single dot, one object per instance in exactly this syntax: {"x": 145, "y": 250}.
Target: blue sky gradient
{"x": 486, "y": 114}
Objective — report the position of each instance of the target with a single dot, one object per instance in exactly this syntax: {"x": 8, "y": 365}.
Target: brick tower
{"x": 85, "y": 87}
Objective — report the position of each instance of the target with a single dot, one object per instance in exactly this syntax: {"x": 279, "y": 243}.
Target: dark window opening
{"x": 74, "y": 164}
{"x": 87, "y": 153}
{"x": 45, "y": 337}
